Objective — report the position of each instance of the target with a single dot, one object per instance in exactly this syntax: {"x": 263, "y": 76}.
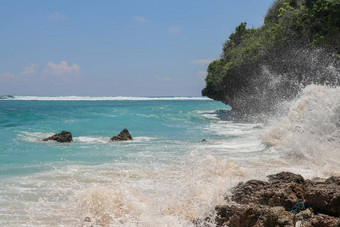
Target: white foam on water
{"x": 34, "y": 137}
{"x": 90, "y": 140}
{"x": 110, "y": 195}
{"x": 174, "y": 193}
{"x": 37, "y": 137}
{"x": 310, "y": 133}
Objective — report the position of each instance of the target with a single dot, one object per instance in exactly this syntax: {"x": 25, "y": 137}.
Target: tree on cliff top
{"x": 292, "y": 30}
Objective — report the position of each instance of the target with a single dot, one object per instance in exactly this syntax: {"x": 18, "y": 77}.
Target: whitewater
{"x": 165, "y": 176}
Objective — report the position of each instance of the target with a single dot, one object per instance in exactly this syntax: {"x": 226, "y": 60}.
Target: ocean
{"x": 165, "y": 176}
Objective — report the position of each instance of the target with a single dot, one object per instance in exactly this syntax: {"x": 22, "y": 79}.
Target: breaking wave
{"x": 310, "y": 132}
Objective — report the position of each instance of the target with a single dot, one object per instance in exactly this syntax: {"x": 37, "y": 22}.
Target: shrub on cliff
{"x": 291, "y": 28}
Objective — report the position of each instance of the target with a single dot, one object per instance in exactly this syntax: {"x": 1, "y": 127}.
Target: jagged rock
{"x": 325, "y": 196}
{"x": 283, "y": 189}
{"x": 203, "y": 140}
{"x": 286, "y": 177}
{"x": 304, "y": 215}
{"x": 252, "y": 191}
{"x": 285, "y": 200}
{"x": 63, "y": 137}
{"x": 123, "y": 135}
{"x": 252, "y": 215}
{"x": 320, "y": 220}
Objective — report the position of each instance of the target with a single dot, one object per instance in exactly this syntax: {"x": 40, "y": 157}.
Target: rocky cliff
{"x": 299, "y": 44}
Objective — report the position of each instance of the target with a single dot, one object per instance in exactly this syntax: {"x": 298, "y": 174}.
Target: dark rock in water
{"x": 87, "y": 219}
{"x": 203, "y": 140}
{"x": 257, "y": 127}
{"x": 87, "y": 222}
{"x": 63, "y": 137}
{"x": 123, "y": 135}
{"x": 325, "y": 196}
{"x": 285, "y": 200}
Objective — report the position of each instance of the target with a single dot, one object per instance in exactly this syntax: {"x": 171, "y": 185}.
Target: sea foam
{"x": 310, "y": 131}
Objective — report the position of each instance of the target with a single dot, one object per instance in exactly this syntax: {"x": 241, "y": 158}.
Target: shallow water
{"x": 165, "y": 177}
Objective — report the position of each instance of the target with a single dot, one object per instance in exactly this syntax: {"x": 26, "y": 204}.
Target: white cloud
{"x": 174, "y": 30}
{"x": 201, "y": 75}
{"x": 6, "y": 76}
{"x": 201, "y": 61}
{"x": 61, "y": 69}
{"x": 140, "y": 19}
{"x": 57, "y": 16}
{"x": 29, "y": 70}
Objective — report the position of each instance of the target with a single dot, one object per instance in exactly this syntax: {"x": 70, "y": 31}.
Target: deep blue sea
{"x": 165, "y": 176}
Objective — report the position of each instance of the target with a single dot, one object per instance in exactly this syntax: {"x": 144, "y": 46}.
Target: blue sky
{"x": 116, "y": 47}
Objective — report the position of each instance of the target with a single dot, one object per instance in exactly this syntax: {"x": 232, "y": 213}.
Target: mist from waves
{"x": 309, "y": 134}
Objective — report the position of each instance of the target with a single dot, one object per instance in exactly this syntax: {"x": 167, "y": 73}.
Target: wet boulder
{"x": 122, "y": 136}
{"x": 63, "y": 137}
{"x": 283, "y": 189}
{"x": 320, "y": 220}
{"x": 252, "y": 215}
{"x": 325, "y": 196}
{"x": 286, "y": 177}
{"x": 286, "y": 199}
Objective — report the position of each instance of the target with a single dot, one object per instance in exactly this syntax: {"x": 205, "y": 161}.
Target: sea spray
{"x": 310, "y": 132}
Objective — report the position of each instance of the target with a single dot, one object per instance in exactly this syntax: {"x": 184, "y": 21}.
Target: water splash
{"x": 310, "y": 132}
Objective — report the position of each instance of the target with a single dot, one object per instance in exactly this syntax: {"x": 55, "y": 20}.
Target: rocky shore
{"x": 286, "y": 199}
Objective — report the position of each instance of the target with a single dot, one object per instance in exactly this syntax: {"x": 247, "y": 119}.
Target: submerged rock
{"x": 286, "y": 199}
{"x": 63, "y": 137}
{"x": 123, "y": 135}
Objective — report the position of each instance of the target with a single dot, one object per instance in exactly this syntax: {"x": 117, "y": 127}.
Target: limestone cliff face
{"x": 299, "y": 44}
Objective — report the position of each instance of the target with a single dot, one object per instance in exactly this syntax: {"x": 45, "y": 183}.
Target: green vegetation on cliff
{"x": 298, "y": 42}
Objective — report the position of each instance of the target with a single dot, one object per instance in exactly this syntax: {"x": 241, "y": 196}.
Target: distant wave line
{"x": 104, "y": 98}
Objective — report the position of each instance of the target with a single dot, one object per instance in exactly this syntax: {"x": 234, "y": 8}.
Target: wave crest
{"x": 311, "y": 130}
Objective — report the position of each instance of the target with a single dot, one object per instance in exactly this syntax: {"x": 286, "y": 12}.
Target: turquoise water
{"x": 156, "y": 177}
{"x": 165, "y": 176}
{"x": 156, "y": 125}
